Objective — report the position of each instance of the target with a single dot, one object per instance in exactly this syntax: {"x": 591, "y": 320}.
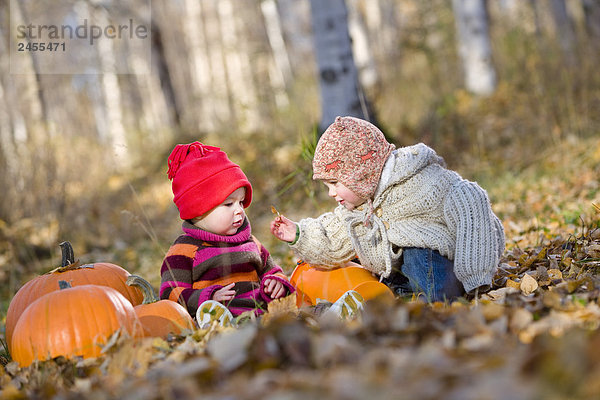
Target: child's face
{"x": 227, "y": 217}
{"x": 343, "y": 195}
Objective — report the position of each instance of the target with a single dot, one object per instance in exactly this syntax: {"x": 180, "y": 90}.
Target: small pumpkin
{"x": 159, "y": 317}
{"x": 71, "y": 322}
{"x": 104, "y": 274}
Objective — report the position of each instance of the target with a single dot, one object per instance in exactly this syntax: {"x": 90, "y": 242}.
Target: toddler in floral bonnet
{"x": 419, "y": 227}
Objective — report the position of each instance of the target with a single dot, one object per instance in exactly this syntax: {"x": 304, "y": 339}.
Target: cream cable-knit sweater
{"x": 418, "y": 203}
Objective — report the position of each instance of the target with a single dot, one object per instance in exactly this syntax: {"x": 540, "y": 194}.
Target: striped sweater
{"x": 199, "y": 263}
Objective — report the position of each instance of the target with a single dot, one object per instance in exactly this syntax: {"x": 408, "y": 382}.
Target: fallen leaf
{"x": 492, "y": 311}
{"x": 512, "y": 284}
{"x": 552, "y": 299}
{"x": 283, "y": 305}
{"x": 12, "y": 392}
{"x": 528, "y": 285}
{"x": 478, "y": 342}
{"x": 278, "y": 307}
{"x": 593, "y": 250}
{"x": 132, "y": 356}
{"x": 331, "y": 348}
{"x": 499, "y": 295}
{"x": 528, "y": 262}
{"x": 230, "y": 349}
{"x": 554, "y": 274}
{"x": 520, "y": 319}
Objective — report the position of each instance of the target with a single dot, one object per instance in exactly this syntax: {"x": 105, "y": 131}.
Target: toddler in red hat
{"x": 216, "y": 267}
{"x": 418, "y": 226}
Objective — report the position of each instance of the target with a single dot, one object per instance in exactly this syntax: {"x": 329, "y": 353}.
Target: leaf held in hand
{"x": 274, "y": 211}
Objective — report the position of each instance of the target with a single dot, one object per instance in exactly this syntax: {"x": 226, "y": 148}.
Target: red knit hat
{"x": 202, "y": 178}
{"x": 352, "y": 151}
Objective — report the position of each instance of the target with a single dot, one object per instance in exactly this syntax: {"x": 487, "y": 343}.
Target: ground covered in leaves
{"x": 533, "y": 336}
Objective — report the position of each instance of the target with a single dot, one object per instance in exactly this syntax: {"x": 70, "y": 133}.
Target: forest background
{"x": 83, "y": 156}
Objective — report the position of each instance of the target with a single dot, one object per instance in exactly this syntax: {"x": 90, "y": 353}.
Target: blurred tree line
{"x": 486, "y": 83}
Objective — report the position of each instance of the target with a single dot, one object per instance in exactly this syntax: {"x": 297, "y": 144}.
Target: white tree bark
{"x": 390, "y": 26}
{"x": 338, "y": 76}
{"x": 509, "y": 6}
{"x": 200, "y": 67}
{"x": 115, "y": 129}
{"x": 296, "y": 27}
{"x": 565, "y": 32}
{"x": 26, "y": 85}
{"x": 7, "y": 144}
{"x": 214, "y": 53}
{"x": 361, "y": 46}
{"x": 237, "y": 63}
{"x": 591, "y": 9}
{"x": 474, "y": 46}
{"x": 280, "y": 72}
{"x": 154, "y": 118}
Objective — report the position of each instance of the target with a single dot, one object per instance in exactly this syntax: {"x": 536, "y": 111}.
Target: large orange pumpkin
{"x": 71, "y": 322}
{"x": 160, "y": 317}
{"x": 104, "y": 274}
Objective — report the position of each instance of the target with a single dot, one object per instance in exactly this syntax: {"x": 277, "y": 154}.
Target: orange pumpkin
{"x": 71, "y": 322}
{"x": 313, "y": 282}
{"x": 160, "y": 317}
{"x": 104, "y": 274}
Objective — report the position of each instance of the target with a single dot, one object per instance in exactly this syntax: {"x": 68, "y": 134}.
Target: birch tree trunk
{"x": 37, "y": 87}
{"x": 361, "y": 46}
{"x": 474, "y": 45}
{"x": 154, "y": 117}
{"x": 115, "y": 130}
{"x": 536, "y": 18}
{"x": 214, "y": 53}
{"x": 144, "y": 102}
{"x": 164, "y": 77}
{"x": 341, "y": 94}
{"x": 296, "y": 26}
{"x": 9, "y": 156}
{"x": 591, "y": 9}
{"x": 564, "y": 31}
{"x": 200, "y": 75}
{"x": 26, "y": 84}
{"x": 382, "y": 26}
{"x": 237, "y": 62}
{"x": 280, "y": 72}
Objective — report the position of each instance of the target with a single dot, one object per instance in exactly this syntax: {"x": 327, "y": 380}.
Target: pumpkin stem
{"x": 68, "y": 259}
{"x": 68, "y": 256}
{"x": 145, "y": 286}
{"x": 64, "y": 285}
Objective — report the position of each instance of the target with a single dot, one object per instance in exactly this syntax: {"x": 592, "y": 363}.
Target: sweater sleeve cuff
{"x": 293, "y": 242}
{"x": 278, "y": 277}
{"x": 207, "y": 293}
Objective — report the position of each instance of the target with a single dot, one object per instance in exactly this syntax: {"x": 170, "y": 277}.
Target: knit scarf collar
{"x": 243, "y": 233}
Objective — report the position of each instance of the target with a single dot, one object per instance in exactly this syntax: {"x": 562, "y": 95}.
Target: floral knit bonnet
{"x": 352, "y": 151}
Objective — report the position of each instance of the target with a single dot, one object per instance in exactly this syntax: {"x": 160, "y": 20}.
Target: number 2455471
{"x": 41, "y": 46}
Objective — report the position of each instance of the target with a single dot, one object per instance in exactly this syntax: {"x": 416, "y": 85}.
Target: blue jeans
{"x": 427, "y": 273}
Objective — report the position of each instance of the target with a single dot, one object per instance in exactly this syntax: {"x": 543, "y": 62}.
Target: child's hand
{"x": 274, "y": 288}
{"x": 283, "y": 228}
{"x": 224, "y": 294}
